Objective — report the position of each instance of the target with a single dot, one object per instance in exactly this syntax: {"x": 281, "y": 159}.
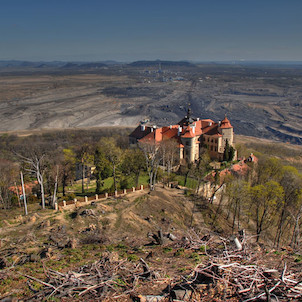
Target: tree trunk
{"x": 55, "y": 189}
{"x": 186, "y": 178}
{"x": 279, "y": 229}
{"x": 63, "y": 184}
{"x": 137, "y": 178}
{"x": 40, "y": 181}
{"x": 218, "y": 208}
{"x": 83, "y": 176}
{"x": 114, "y": 178}
{"x": 18, "y": 195}
{"x": 234, "y": 218}
{"x": 98, "y": 183}
{"x": 24, "y": 195}
{"x": 238, "y": 216}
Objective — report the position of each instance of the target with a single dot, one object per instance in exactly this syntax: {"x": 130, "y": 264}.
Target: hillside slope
{"x": 101, "y": 251}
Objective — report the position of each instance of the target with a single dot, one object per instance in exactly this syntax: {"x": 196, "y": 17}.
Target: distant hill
{"x": 71, "y": 65}
{"x": 55, "y": 64}
{"x": 29, "y": 64}
{"x": 163, "y": 63}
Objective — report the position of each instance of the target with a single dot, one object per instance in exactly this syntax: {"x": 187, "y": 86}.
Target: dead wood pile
{"x": 108, "y": 277}
{"x": 232, "y": 271}
{"x": 238, "y": 273}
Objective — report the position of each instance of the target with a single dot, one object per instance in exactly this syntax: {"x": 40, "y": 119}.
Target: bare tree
{"x": 8, "y": 175}
{"x": 295, "y": 240}
{"x": 291, "y": 182}
{"x": 35, "y": 165}
{"x": 83, "y": 155}
{"x": 23, "y": 193}
{"x": 153, "y": 156}
{"x": 202, "y": 167}
{"x": 113, "y": 153}
{"x": 170, "y": 155}
{"x": 55, "y": 189}
{"x": 265, "y": 201}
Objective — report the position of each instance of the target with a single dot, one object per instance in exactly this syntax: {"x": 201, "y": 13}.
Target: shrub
{"x": 69, "y": 196}
{"x": 32, "y": 198}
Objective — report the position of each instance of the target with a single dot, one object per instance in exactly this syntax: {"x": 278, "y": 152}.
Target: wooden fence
{"x": 97, "y": 197}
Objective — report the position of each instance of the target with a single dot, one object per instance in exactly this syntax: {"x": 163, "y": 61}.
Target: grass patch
{"x": 132, "y": 258}
{"x": 191, "y": 182}
{"x": 179, "y": 252}
{"x": 195, "y": 257}
{"x": 167, "y": 249}
{"x": 204, "y": 248}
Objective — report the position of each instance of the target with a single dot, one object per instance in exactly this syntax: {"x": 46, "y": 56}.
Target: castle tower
{"x": 226, "y": 129}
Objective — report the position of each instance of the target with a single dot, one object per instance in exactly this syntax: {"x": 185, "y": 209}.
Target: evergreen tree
{"x": 102, "y": 168}
{"x": 226, "y": 154}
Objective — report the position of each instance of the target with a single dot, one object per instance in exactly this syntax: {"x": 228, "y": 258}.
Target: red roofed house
{"x": 190, "y": 134}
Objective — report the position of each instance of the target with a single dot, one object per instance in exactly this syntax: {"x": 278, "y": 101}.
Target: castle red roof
{"x": 188, "y": 133}
{"x": 138, "y": 133}
{"x": 211, "y": 130}
{"x": 183, "y": 129}
{"x": 225, "y": 124}
{"x": 168, "y": 132}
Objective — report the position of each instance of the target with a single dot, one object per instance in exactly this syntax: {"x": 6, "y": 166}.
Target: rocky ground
{"x": 262, "y": 102}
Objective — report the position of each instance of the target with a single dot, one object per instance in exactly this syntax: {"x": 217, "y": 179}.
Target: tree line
{"x": 268, "y": 199}
{"x": 51, "y": 163}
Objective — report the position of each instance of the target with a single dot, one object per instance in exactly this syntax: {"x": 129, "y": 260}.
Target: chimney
{"x": 143, "y": 127}
{"x": 193, "y": 129}
{"x": 219, "y": 123}
{"x": 170, "y": 127}
{"x": 210, "y": 123}
{"x": 179, "y": 131}
{"x": 151, "y": 129}
{"x": 197, "y": 119}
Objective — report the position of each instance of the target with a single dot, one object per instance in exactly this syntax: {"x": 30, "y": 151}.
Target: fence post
{"x": 115, "y": 193}
{"x": 75, "y": 201}
{"x": 142, "y": 187}
{"x": 106, "y": 195}
{"x": 133, "y": 189}
{"x": 96, "y": 197}
{"x": 64, "y": 203}
{"x": 86, "y": 199}
{"x": 125, "y": 191}
{"x": 56, "y": 206}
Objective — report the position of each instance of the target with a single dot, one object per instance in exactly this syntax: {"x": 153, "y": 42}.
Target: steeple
{"x": 225, "y": 123}
{"x": 189, "y": 119}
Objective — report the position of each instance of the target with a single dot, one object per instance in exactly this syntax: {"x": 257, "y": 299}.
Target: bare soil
{"x": 263, "y": 102}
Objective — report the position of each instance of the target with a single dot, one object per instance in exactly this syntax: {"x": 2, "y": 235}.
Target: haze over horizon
{"x": 72, "y": 30}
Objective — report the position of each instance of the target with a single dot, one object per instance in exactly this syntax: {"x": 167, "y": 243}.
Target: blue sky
{"x": 128, "y": 30}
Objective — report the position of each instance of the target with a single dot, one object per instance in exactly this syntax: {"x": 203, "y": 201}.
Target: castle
{"x": 191, "y": 134}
